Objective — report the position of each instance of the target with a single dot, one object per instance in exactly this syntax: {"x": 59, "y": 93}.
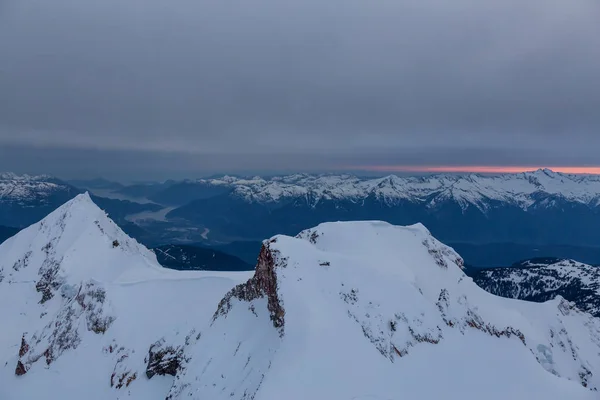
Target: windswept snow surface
{"x": 344, "y": 311}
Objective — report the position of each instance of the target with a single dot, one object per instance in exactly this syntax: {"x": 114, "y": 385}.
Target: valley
{"x": 492, "y": 220}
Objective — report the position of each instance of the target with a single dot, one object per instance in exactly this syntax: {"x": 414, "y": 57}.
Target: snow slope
{"x": 356, "y": 310}
{"x": 81, "y": 304}
{"x": 523, "y": 190}
{"x": 367, "y": 310}
{"x": 543, "y": 279}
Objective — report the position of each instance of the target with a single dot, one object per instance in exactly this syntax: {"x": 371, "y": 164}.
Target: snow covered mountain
{"x": 81, "y": 304}
{"x": 543, "y": 279}
{"x": 25, "y": 187}
{"x": 27, "y": 199}
{"x": 538, "y": 208}
{"x": 523, "y": 190}
{"x": 357, "y": 310}
{"x": 367, "y": 310}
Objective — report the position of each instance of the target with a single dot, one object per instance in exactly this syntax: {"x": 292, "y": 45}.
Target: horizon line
{"x": 478, "y": 169}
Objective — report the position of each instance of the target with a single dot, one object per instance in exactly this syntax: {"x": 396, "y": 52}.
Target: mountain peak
{"x": 545, "y": 171}
{"x": 67, "y": 239}
{"x": 395, "y": 300}
{"x": 76, "y": 281}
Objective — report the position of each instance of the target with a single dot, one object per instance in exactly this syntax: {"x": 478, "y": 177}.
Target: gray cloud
{"x": 267, "y": 84}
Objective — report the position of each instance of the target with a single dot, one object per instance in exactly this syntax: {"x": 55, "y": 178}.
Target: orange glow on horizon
{"x": 474, "y": 169}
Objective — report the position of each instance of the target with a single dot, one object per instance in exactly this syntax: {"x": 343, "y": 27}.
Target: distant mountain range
{"x": 26, "y": 199}
{"x": 541, "y": 208}
{"x": 543, "y": 279}
{"x": 492, "y": 220}
{"x": 526, "y": 190}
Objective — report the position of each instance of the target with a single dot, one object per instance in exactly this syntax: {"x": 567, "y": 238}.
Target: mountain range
{"x": 347, "y": 310}
{"x": 537, "y": 208}
{"x": 26, "y": 199}
{"x": 492, "y": 220}
{"x": 543, "y": 279}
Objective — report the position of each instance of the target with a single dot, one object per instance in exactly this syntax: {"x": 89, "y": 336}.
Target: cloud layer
{"x": 333, "y": 82}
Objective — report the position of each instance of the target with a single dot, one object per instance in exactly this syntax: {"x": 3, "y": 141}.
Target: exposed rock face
{"x": 50, "y": 279}
{"x": 163, "y": 359}
{"x": 22, "y": 262}
{"x": 24, "y": 347}
{"x": 122, "y": 375}
{"x": 263, "y": 283}
{"x": 439, "y": 252}
{"x": 62, "y": 333}
{"x": 20, "y": 370}
{"x": 91, "y": 298}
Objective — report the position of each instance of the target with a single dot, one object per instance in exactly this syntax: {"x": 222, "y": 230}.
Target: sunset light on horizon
{"x": 488, "y": 169}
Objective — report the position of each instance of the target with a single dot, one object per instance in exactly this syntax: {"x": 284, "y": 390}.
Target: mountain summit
{"x": 72, "y": 243}
{"x": 368, "y": 310}
{"x": 81, "y": 303}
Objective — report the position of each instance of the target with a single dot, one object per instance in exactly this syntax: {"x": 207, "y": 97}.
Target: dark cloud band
{"x": 240, "y": 80}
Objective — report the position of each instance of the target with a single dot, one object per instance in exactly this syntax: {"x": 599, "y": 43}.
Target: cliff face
{"x": 262, "y": 284}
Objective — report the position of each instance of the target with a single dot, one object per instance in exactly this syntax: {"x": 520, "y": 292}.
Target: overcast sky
{"x": 158, "y": 88}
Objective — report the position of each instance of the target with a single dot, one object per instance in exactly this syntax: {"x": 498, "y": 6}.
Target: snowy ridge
{"x": 82, "y": 305}
{"x": 541, "y": 187}
{"x": 343, "y": 311}
{"x": 542, "y": 280}
{"x": 361, "y": 310}
{"x": 69, "y": 239}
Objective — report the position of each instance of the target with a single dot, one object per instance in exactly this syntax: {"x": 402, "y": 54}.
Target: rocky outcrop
{"x": 163, "y": 359}
{"x": 50, "y": 279}
{"x": 20, "y": 370}
{"x": 22, "y": 262}
{"x": 62, "y": 333}
{"x": 262, "y": 284}
{"x": 440, "y": 252}
{"x": 122, "y": 375}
